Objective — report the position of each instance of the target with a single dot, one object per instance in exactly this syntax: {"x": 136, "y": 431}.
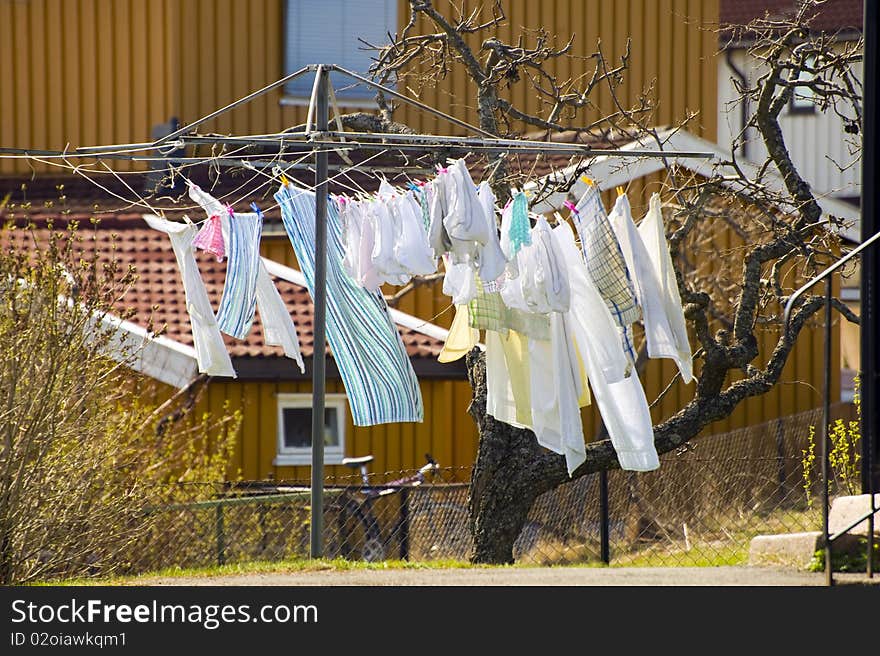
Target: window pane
{"x": 327, "y": 32}
{"x": 298, "y": 427}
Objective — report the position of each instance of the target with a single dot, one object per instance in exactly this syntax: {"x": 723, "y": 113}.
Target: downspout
{"x": 744, "y": 104}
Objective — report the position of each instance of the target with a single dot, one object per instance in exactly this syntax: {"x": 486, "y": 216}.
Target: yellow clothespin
{"x": 588, "y": 181}
{"x": 620, "y": 190}
{"x": 284, "y": 180}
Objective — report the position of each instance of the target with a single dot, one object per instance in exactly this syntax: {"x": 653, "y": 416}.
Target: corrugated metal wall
{"x": 83, "y": 72}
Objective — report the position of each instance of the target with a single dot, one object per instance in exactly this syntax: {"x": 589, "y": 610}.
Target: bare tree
{"x": 783, "y": 233}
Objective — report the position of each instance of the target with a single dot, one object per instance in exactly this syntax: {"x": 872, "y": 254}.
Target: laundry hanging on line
{"x": 248, "y": 286}
{"x": 569, "y": 309}
{"x": 536, "y": 294}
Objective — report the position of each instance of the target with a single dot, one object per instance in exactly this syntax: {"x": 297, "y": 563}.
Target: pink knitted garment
{"x": 210, "y": 238}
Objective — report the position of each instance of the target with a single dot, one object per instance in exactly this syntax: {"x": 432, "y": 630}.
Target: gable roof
{"x": 831, "y": 16}
{"x": 157, "y": 297}
{"x": 612, "y": 171}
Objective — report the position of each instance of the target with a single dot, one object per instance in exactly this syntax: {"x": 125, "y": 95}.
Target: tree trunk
{"x": 503, "y": 485}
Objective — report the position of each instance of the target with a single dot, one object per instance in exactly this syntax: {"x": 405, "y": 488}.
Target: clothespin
{"x": 588, "y": 181}
{"x": 620, "y": 190}
{"x": 186, "y": 219}
{"x": 256, "y": 209}
{"x": 276, "y": 170}
{"x": 442, "y": 169}
{"x": 571, "y": 206}
{"x": 230, "y": 211}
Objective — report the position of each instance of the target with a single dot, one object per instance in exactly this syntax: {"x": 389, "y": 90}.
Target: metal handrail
{"x": 827, "y": 538}
{"x": 843, "y": 260}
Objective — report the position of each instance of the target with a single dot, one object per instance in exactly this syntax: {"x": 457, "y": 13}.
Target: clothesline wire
{"x": 78, "y": 169}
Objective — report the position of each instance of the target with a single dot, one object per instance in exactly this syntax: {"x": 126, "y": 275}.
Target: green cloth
{"x": 487, "y": 311}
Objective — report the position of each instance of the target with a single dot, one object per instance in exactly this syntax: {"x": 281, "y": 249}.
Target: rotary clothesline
{"x": 532, "y": 289}
{"x": 317, "y": 140}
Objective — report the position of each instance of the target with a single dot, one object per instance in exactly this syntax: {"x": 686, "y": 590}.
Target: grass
{"x": 710, "y": 546}
{"x": 263, "y": 567}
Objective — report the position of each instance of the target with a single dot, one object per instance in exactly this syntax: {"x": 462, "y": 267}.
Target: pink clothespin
{"x": 442, "y": 169}
{"x": 571, "y": 206}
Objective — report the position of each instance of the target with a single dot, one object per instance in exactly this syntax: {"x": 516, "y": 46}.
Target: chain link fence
{"x": 701, "y": 507}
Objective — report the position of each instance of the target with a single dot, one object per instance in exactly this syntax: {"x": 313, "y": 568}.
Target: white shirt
{"x": 411, "y": 247}
{"x": 622, "y": 403}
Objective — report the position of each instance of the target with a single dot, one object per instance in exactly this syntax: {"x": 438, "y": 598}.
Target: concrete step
{"x": 846, "y": 510}
{"x": 794, "y": 549}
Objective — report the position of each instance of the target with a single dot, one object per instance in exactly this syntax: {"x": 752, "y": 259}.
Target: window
{"x": 802, "y": 101}
{"x": 327, "y": 32}
{"x": 295, "y": 429}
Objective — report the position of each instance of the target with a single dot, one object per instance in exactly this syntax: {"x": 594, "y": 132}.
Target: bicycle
{"x": 358, "y": 534}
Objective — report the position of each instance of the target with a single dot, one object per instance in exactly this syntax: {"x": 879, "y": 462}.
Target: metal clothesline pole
{"x": 319, "y": 356}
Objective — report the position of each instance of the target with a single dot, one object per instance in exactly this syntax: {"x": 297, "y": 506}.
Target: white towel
{"x": 675, "y": 346}
{"x": 278, "y": 327}
{"x": 211, "y": 354}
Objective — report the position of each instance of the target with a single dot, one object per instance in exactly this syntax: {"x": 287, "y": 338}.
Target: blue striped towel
{"x": 379, "y": 379}
{"x": 242, "y": 232}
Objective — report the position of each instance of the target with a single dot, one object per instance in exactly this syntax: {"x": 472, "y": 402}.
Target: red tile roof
{"x": 831, "y": 16}
{"x": 123, "y": 232}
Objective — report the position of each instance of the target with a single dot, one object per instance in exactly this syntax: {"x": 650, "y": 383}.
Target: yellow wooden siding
{"x": 448, "y": 433}
{"x": 83, "y": 72}
{"x": 102, "y": 71}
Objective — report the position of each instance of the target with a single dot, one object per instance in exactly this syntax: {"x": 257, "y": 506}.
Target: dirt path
{"x": 692, "y": 576}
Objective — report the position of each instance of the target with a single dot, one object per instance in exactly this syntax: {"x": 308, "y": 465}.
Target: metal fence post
{"x": 604, "y": 520}
{"x": 870, "y": 423}
{"x": 826, "y": 412}
{"x": 404, "y": 523}
{"x": 318, "y": 356}
{"x": 219, "y": 531}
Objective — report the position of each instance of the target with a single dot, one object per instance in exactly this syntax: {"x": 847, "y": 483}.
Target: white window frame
{"x": 362, "y": 99}
{"x": 333, "y": 455}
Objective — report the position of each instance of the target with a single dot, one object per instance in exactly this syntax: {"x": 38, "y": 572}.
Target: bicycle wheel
{"x": 351, "y": 532}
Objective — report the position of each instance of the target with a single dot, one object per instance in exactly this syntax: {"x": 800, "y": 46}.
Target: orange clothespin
{"x": 588, "y": 181}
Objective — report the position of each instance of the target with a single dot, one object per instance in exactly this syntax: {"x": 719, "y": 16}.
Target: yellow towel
{"x": 584, "y": 400}
{"x": 516, "y": 353}
{"x": 461, "y": 339}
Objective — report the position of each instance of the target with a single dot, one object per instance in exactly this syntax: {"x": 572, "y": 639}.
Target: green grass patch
{"x": 263, "y": 567}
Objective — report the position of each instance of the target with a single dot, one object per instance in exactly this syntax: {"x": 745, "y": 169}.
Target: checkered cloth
{"x": 487, "y": 311}
{"x": 605, "y": 259}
